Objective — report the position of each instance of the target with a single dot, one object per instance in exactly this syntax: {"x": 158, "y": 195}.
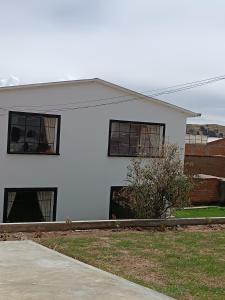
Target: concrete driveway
{"x": 31, "y": 271}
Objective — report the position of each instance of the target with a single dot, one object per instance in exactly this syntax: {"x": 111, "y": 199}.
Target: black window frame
{"x": 58, "y": 117}
{"x": 32, "y": 189}
{"x": 133, "y": 122}
{"x": 117, "y": 188}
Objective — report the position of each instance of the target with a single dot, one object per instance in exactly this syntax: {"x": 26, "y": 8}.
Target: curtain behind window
{"x": 11, "y": 199}
{"x": 50, "y": 130}
{"x": 45, "y": 200}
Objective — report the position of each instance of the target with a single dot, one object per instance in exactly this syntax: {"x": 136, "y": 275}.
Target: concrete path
{"x": 31, "y": 271}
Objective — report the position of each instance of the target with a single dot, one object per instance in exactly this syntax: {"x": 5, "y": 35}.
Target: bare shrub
{"x": 154, "y": 186}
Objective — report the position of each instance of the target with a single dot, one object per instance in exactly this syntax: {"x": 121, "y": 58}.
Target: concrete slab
{"x": 31, "y": 271}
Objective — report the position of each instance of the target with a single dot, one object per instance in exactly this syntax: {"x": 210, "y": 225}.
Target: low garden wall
{"x": 105, "y": 224}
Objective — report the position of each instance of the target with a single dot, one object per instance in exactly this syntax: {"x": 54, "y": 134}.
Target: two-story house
{"x": 66, "y": 145}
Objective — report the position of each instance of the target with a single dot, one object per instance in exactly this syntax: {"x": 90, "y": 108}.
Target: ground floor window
{"x": 118, "y": 207}
{"x": 29, "y": 205}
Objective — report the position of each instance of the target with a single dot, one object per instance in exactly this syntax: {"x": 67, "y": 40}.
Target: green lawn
{"x": 182, "y": 264}
{"x": 200, "y": 212}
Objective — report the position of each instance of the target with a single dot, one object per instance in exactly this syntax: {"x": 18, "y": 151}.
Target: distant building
{"x": 210, "y": 130}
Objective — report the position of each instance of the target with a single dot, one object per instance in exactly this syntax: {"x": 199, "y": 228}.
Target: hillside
{"x": 211, "y": 130}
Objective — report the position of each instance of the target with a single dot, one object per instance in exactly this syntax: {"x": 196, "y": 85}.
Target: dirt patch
{"x": 142, "y": 269}
{"x": 104, "y": 233}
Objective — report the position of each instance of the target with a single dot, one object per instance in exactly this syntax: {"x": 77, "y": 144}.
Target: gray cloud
{"x": 142, "y": 44}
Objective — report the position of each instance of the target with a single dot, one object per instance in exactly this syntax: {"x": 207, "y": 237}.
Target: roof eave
{"x": 188, "y": 113}
{"x": 193, "y": 115}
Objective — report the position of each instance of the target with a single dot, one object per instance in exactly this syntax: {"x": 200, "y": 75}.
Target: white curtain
{"x": 11, "y": 199}
{"x": 50, "y": 131}
{"x": 150, "y": 140}
{"x": 145, "y": 141}
{"x": 45, "y": 204}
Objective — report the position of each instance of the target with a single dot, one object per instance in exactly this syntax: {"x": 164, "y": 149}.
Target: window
{"x": 33, "y": 133}
{"x": 135, "y": 138}
{"x": 118, "y": 208}
{"x": 29, "y": 205}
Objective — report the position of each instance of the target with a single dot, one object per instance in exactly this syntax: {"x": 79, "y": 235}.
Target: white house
{"x": 65, "y": 145}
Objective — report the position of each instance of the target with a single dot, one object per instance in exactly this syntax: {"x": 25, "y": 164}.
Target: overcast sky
{"x": 141, "y": 44}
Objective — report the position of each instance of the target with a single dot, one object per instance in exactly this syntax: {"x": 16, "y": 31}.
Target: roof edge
{"x": 216, "y": 141}
{"x": 187, "y": 112}
{"x": 41, "y": 84}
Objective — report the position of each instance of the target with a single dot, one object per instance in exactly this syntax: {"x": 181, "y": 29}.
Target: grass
{"x": 200, "y": 212}
{"x": 182, "y": 264}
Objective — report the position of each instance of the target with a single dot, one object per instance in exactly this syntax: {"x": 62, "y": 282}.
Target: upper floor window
{"x": 135, "y": 139}
{"x": 31, "y": 133}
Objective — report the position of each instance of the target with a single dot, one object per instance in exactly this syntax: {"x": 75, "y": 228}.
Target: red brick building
{"x": 209, "y": 160}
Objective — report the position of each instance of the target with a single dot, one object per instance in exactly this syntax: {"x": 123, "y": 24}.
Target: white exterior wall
{"x": 83, "y": 173}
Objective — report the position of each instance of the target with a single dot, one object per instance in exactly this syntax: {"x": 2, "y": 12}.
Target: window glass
{"x": 115, "y": 127}
{"x": 133, "y": 139}
{"x": 30, "y": 205}
{"x": 124, "y": 127}
{"x": 33, "y": 133}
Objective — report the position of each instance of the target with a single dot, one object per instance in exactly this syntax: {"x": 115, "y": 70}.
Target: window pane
{"x": 45, "y": 200}
{"x": 135, "y": 128}
{"x": 17, "y": 133}
{"x": 18, "y": 119}
{"x": 154, "y": 129}
{"x": 124, "y": 138}
{"x": 31, "y": 147}
{"x": 115, "y": 126}
{"x": 123, "y": 149}
{"x": 133, "y": 150}
{"x": 16, "y": 147}
{"x": 124, "y": 127}
{"x": 114, "y": 143}
{"x": 49, "y": 131}
{"x": 145, "y": 138}
{"x": 33, "y": 121}
{"x": 134, "y": 140}
{"x": 32, "y": 134}
{"x": 150, "y": 140}
{"x": 124, "y": 143}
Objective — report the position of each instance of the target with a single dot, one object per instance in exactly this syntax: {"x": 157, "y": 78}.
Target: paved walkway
{"x": 31, "y": 271}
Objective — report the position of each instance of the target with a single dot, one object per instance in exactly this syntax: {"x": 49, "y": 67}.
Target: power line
{"x": 80, "y": 107}
{"x": 191, "y": 82}
{"x": 197, "y": 84}
{"x": 184, "y": 86}
{"x": 180, "y": 87}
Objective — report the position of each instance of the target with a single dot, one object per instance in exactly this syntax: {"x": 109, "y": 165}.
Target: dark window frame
{"x": 116, "y": 188}
{"x": 38, "y": 189}
{"x": 58, "y": 117}
{"x": 133, "y": 122}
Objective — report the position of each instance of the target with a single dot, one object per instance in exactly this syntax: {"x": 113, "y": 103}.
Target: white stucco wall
{"x": 83, "y": 173}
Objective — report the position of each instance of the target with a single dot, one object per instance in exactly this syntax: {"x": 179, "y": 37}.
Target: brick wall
{"x": 206, "y": 159}
{"x": 213, "y": 148}
{"x": 216, "y": 147}
{"x": 210, "y": 165}
{"x": 206, "y": 191}
{"x": 195, "y": 149}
